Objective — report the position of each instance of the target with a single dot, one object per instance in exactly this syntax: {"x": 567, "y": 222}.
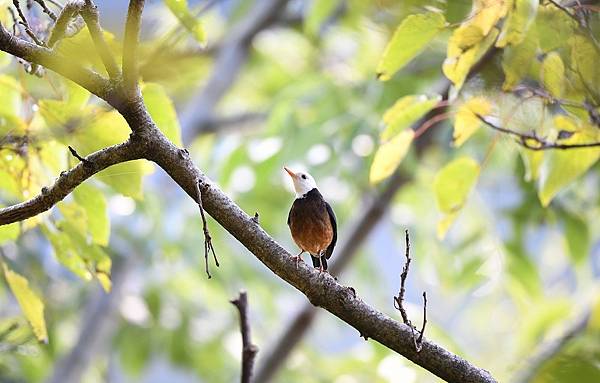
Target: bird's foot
{"x": 298, "y": 259}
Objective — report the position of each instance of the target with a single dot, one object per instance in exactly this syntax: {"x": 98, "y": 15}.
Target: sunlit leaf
{"x": 77, "y": 97}
{"x": 532, "y": 159}
{"x": 66, "y": 252}
{"x": 486, "y": 13}
{"x": 162, "y": 111}
{"x": 520, "y": 17}
{"x": 389, "y": 155}
{"x": 9, "y": 232}
{"x": 444, "y": 224}
{"x": 584, "y": 59}
{"x": 561, "y": 167}
{"x": 318, "y": 13}
{"x": 94, "y": 203}
{"x": 29, "y": 301}
{"x": 181, "y": 10}
{"x": 10, "y": 105}
{"x": 553, "y": 26}
{"x": 410, "y": 39}
{"x": 406, "y": 111}
{"x": 126, "y": 178}
{"x": 553, "y": 74}
{"x": 460, "y": 59}
{"x": 466, "y": 121}
{"x": 517, "y": 59}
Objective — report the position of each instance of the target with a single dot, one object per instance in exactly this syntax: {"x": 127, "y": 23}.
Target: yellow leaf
{"x": 406, "y": 111}
{"x": 410, "y": 39}
{"x": 532, "y": 159}
{"x": 584, "y": 59}
{"x": 459, "y": 61}
{"x": 561, "y": 167}
{"x": 553, "y": 74}
{"x": 444, "y": 224}
{"x": 517, "y": 23}
{"x": 389, "y": 155}
{"x": 30, "y": 303}
{"x": 466, "y": 121}
{"x": 486, "y": 13}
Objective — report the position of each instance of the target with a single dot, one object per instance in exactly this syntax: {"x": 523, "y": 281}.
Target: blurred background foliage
{"x": 511, "y": 271}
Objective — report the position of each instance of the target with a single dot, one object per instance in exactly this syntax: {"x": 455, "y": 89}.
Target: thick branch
{"x": 90, "y": 15}
{"x": 130, "y": 46}
{"x": 321, "y": 290}
{"x": 54, "y": 61}
{"x": 248, "y": 349}
{"x": 69, "y": 180}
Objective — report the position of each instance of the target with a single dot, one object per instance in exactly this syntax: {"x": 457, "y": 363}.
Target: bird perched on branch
{"x": 312, "y": 221}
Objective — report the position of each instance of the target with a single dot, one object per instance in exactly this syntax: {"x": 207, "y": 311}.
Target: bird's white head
{"x": 303, "y": 182}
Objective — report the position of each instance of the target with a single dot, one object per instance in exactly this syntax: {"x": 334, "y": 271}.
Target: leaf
{"x": 486, "y": 13}
{"x": 577, "y": 235}
{"x": 126, "y": 178}
{"x": 180, "y": 9}
{"x": 452, "y": 186}
{"x": 517, "y": 59}
{"x": 466, "y": 121}
{"x": 406, "y": 111}
{"x": 517, "y": 23}
{"x": 389, "y": 155}
{"x": 553, "y": 74}
{"x": 162, "y": 111}
{"x": 94, "y": 203}
{"x": 66, "y": 252}
{"x": 77, "y": 97}
{"x": 584, "y": 59}
{"x": 10, "y": 105}
{"x": 9, "y": 232}
{"x": 410, "y": 39}
{"x": 318, "y": 13}
{"x": 532, "y": 159}
{"x": 561, "y": 167}
{"x": 459, "y": 60}
{"x": 30, "y": 303}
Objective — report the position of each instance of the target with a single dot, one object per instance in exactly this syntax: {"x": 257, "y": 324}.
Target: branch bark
{"x": 90, "y": 15}
{"x": 130, "y": 46}
{"x": 248, "y": 349}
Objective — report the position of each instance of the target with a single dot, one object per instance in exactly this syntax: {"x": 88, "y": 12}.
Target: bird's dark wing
{"x": 334, "y": 227}
{"x": 290, "y": 216}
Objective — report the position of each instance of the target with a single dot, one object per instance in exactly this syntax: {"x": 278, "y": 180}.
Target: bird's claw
{"x": 298, "y": 259}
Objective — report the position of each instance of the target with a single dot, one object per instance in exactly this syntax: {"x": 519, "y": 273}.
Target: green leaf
{"x": 94, "y": 203}
{"x": 553, "y": 74}
{"x": 10, "y": 105}
{"x": 77, "y": 97}
{"x": 410, "y": 39}
{"x": 389, "y": 155}
{"x": 561, "y": 167}
{"x": 30, "y": 303}
{"x": 517, "y": 59}
{"x": 532, "y": 159}
{"x": 466, "y": 121}
{"x": 9, "y": 232}
{"x": 318, "y": 13}
{"x": 454, "y": 182}
{"x": 180, "y": 9}
{"x": 5, "y": 59}
{"x": 584, "y": 59}
{"x": 517, "y": 23}
{"x": 66, "y": 253}
{"x": 162, "y": 111}
{"x": 406, "y": 111}
{"x": 577, "y": 235}
{"x": 126, "y": 178}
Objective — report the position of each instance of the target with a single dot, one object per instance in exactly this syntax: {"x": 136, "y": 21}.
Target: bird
{"x": 312, "y": 222}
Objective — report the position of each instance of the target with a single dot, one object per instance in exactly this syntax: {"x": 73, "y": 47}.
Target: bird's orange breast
{"x": 310, "y": 225}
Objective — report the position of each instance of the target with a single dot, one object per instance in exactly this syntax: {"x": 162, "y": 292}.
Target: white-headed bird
{"x": 311, "y": 220}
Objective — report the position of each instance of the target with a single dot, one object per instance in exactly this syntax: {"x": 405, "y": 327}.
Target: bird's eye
{"x": 303, "y": 176}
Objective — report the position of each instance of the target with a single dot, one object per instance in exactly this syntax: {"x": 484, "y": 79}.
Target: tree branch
{"x": 130, "y": 46}
{"x": 69, "y": 180}
{"x": 56, "y": 62}
{"x": 90, "y": 15}
{"x": 248, "y": 349}
{"x": 69, "y": 11}
{"x": 533, "y": 142}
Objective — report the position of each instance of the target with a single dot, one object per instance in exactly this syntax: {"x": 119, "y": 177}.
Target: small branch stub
{"x": 399, "y": 300}
{"x": 76, "y": 155}
{"x": 248, "y": 349}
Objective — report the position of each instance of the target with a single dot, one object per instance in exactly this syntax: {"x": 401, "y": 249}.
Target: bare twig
{"x": 90, "y": 15}
{"x": 208, "y": 246}
{"x": 68, "y": 181}
{"x": 25, "y": 24}
{"x": 130, "y": 46}
{"x": 248, "y": 349}
{"x": 399, "y": 300}
{"x": 46, "y": 10}
{"x": 69, "y": 12}
{"x": 533, "y": 142}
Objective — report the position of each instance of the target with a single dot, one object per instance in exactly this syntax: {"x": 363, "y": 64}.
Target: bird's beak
{"x": 291, "y": 173}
